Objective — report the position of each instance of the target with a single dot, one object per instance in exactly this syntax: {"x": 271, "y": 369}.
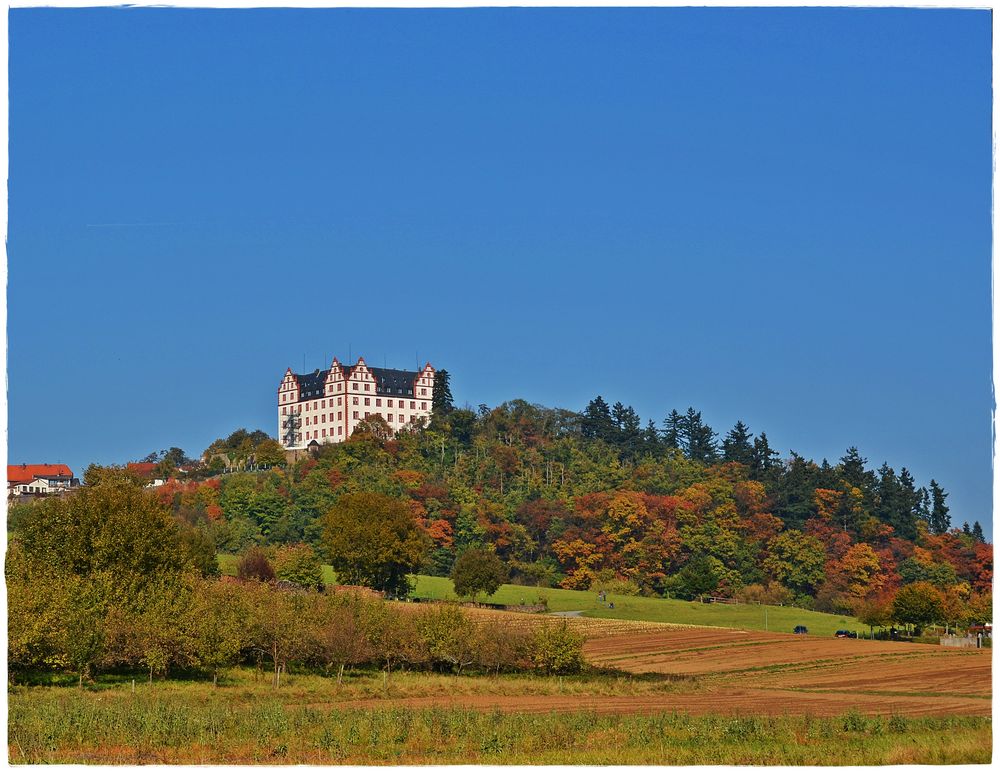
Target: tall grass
{"x": 68, "y": 726}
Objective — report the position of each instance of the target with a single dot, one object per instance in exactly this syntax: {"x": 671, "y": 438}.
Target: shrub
{"x": 555, "y": 649}
{"x": 255, "y": 566}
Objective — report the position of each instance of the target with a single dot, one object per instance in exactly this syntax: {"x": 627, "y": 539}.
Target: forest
{"x": 570, "y": 499}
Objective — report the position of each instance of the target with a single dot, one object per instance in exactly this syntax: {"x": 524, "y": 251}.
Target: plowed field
{"x": 778, "y": 673}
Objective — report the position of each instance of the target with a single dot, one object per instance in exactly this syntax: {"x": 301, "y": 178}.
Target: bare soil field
{"x": 780, "y": 673}
{"x": 727, "y": 671}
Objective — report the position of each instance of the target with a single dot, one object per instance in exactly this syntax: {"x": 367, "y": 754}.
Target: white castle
{"x": 326, "y": 405}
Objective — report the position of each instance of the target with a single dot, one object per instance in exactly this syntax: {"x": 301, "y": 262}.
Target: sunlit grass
{"x": 195, "y": 723}
{"x": 628, "y": 608}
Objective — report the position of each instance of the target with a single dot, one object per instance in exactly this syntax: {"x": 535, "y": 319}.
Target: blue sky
{"x": 780, "y": 216}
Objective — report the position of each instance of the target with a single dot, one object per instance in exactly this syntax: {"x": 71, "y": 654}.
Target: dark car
{"x": 845, "y": 633}
{"x": 801, "y": 630}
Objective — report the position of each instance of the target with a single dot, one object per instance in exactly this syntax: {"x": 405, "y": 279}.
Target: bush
{"x": 255, "y": 566}
{"x": 555, "y": 649}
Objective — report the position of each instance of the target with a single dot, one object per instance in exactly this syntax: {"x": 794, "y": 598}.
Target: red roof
{"x": 27, "y": 472}
{"x": 143, "y": 469}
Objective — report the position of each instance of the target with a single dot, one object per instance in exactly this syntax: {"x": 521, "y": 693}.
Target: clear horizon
{"x": 779, "y": 216}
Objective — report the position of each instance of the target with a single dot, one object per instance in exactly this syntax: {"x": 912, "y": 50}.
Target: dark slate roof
{"x": 389, "y": 382}
{"x": 311, "y": 385}
{"x": 393, "y": 381}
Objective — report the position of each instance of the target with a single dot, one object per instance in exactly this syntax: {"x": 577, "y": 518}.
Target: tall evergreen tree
{"x": 924, "y": 506}
{"x": 908, "y": 507}
{"x": 651, "y": 438}
{"x": 596, "y": 422}
{"x": 702, "y": 444}
{"x": 673, "y": 430}
{"x": 737, "y": 447}
{"x": 977, "y": 532}
{"x": 795, "y": 491}
{"x": 442, "y": 402}
{"x": 765, "y": 460}
{"x": 852, "y": 470}
{"x": 627, "y": 434}
{"x": 940, "y": 518}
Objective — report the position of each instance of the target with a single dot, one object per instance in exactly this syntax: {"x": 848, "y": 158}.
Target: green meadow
{"x": 630, "y": 608}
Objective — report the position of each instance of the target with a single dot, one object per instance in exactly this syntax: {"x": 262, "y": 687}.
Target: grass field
{"x": 311, "y": 721}
{"x": 777, "y": 619}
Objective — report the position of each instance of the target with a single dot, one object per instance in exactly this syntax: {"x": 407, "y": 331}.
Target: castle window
{"x": 367, "y": 386}
{"x": 367, "y": 415}
{"x": 389, "y": 417}
{"x": 388, "y": 402}
{"x": 355, "y": 400}
{"x": 423, "y": 392}
{"x": 378, "y": 402}
{"x": 338, "y": 401}
{"x": 413, "y": 405}
{"x": 423, "y": 405}
{"x": 340, "y": 415}
{"x": 323, "y": 419}
{"x": 324, "y": 432}
{"x": 402, "y": 419}
{"x": 340, "y": 430}
{"x": 355, "y": 414}
{"x": 324, "y": 404}
{"x": 355, "y": 386}
{"x": 368, "y": 402}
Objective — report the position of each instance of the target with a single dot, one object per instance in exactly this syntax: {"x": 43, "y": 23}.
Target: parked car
{"x": 845, "y": 633}
{"x": 801, "y": 630}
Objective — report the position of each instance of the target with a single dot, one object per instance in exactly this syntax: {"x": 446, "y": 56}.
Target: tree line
{"x": 106, "y": 580}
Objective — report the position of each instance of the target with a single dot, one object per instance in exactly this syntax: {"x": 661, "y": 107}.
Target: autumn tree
{"x": 796, "y": 560}
{"x": 373, "y": 540}
{"x": 918, "y": 604}
{"x": 299, "y": 564}
{"x": 255, "y": 566}
{"x": 478, "y": 571}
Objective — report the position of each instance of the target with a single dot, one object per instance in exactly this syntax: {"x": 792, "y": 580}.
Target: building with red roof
{"x": 39, "y": 479}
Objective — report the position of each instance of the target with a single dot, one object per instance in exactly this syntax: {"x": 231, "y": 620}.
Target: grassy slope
{"x": 779, "y": 619}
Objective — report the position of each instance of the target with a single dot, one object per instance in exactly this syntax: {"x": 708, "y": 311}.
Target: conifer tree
{"x": 737, "y": 447}
{"x": 442, "y": 402}
{"x": 977, "y": 532}
{"x": 596, "y": 422}
{"x": 701, "y": 439}
{"x": 765, "y": 459}
{"x": 673, "y": 426}
{"x": 940, "y": 518}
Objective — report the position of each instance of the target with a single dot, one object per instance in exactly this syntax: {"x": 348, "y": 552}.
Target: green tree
{"x": 299, "y": 564}
{"x": 478, "y": 571}
{"x": 940, "y": 519}
{"x": 918, "y": 604}
{"x": 373, "y": 540}
{"x": 796, "y": 560}
{"x": 114, "y": 531}
{"x": 216, "y": 621}
{"x": 442, "y": 402}
{"x": 557, "y": 650}
{"x": 737, "y": 447}
{"x": 269, "y": 453}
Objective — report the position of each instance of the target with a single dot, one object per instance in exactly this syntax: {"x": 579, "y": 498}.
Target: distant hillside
{"x": 576, "y": 500}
